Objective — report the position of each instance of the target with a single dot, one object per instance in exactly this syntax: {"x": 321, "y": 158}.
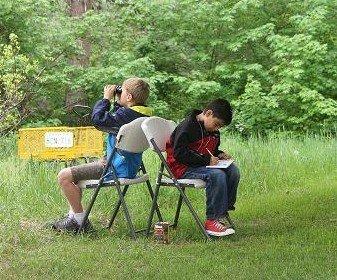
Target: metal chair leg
{"x": 228, "y": 218}
{"x": 176, "y": 218}
{"x": 194, "y": 214}
{"x": 142, "y": 168}
{"x": 126, "y": 212}
{"x": 117, "y": 207}
{"x": 88, "y": 210}
{"x": 100, "y": 184}
{"x": 160, "y": 218}
{"x": 154, "y": 203}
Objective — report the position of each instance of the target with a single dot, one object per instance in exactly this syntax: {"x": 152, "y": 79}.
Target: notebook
{"x": 223, "y": 163}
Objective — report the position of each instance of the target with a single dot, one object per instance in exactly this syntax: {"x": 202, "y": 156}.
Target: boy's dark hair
{"x": 221, "y": 110}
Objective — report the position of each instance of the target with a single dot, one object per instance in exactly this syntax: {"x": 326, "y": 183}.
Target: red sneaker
{"x": 215, "y": 228}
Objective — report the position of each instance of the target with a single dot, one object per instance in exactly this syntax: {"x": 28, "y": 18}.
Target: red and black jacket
{"x": 188, "y": 145}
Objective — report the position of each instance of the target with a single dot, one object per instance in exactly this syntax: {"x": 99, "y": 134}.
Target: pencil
{"x": 209, "y": 152}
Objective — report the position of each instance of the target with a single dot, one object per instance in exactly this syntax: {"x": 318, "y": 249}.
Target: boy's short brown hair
{"x": 138, "y": 88}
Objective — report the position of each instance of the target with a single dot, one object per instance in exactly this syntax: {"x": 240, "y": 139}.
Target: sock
{"x": 71, "y": 213}
{"x": 79, "y": 217}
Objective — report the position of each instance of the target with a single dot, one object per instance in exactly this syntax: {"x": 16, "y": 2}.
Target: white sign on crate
{"x": 59, "y": 139}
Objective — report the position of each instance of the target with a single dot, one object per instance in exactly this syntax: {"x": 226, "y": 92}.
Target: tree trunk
{"x": 76, "y": 9}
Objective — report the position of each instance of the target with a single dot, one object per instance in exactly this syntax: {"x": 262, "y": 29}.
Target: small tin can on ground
{"x": 161, "y": 232}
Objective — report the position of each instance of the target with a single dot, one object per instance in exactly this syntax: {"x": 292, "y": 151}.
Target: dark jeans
{"x": 221, "y": 188}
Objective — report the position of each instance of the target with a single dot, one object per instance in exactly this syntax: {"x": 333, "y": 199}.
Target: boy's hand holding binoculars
{"x": 109, "y": 91}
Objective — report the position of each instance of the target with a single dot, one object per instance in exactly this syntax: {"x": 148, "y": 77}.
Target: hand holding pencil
{"x": 214, "y": 160}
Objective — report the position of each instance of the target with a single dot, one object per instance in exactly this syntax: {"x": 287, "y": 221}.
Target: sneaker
{"x": 215, "y": 228}
{"x": 87, "y": 227}
{"x": 226, "y": 221}
{"x": 69, "y": 224}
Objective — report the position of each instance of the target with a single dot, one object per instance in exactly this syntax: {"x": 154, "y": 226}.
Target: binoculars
{"x": 118, "y": 90}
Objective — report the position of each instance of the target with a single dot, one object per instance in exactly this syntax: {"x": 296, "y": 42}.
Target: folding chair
{"x": 130, "y": 138}
{"x": 158, "y": 132}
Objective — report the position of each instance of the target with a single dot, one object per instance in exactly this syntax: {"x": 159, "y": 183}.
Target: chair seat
{"x": 193, "y": 183}
{"x": 90, "y": 184}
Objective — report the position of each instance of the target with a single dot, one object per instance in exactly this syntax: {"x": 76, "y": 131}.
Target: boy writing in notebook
{"x": 193, "y": 145}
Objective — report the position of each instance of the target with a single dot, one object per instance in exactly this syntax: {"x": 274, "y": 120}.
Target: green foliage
{"x": 15, "y": 70}
{"x": 276, "y": 61}
{"x": 255, "y": 108}
{"x": 44, "y": 123}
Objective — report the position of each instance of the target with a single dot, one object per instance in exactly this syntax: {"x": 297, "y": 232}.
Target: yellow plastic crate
{"x": 60, "y": 143}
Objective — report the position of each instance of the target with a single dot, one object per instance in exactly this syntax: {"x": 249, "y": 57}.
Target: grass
{"x": 286, "y": 221}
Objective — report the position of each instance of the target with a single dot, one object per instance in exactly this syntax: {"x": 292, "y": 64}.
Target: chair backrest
{"x": 131, "y": 137}
{"x": 159, "y": 130}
